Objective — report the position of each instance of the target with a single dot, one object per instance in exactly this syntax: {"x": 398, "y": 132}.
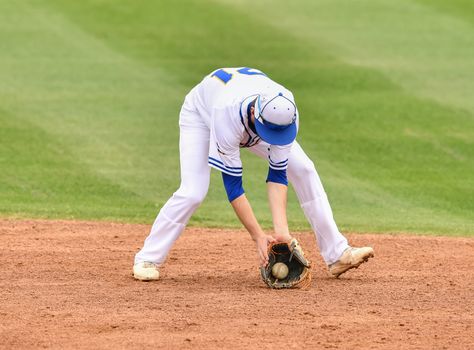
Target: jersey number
{"x": 225, "y": 77}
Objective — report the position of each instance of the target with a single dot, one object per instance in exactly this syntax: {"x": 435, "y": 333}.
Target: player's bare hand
{"x": 262, "y": 248}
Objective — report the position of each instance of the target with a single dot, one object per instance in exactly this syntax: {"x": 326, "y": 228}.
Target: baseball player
{"x": 231, "y": 109}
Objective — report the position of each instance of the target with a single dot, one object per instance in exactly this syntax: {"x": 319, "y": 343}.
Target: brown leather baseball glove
{"x": 299, "y": 268}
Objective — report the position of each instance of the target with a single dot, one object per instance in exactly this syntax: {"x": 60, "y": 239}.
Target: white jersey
{"x": 222, "y": 99}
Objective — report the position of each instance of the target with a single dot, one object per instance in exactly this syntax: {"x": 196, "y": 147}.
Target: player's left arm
{"x": 277, "y": 194}
{"x": 277, "y": 188}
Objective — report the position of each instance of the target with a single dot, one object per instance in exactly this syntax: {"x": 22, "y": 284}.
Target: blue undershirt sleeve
{"x": 278, "y": 176}
{"x": 233, "y": 186}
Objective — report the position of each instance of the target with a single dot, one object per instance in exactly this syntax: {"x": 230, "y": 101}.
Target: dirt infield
{"x": 69, "y": 285}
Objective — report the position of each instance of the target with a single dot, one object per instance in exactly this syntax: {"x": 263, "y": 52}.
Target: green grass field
{"x": 90, "y": 93}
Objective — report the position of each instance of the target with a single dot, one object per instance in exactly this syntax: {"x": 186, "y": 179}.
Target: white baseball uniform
{"x": 214, "y": 126}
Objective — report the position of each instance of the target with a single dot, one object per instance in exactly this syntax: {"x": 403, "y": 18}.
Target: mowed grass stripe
{"x": 125, "y": 128}
{"x": 422, "y": 49}
{"x": 89, "y": 118}
{"x": 96, "y": 101}
{"x": 41, "y": 178}
{"x": 462, "y": 9}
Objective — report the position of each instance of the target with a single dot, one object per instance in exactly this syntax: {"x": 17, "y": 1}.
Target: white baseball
{"x": 280, "y": 270}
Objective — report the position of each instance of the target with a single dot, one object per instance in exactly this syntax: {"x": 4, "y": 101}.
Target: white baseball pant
{"x": 195, "y": 178}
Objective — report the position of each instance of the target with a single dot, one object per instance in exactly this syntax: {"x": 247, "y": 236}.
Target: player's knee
{"x": 192, "y": 197}
{"x": 196, "y": 196}
{"x": 310, "y": 169}
{"x": 303, "y": 170}
{"x": 195, "y": 199}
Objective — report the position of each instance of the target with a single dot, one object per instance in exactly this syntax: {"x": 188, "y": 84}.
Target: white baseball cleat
{"x": 146, "y": 271}
{"x": 350, "y": 259}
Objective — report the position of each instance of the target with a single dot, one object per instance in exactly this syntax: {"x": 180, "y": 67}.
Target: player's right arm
{"x": 224, "y": 155}
{"x": 244, "y": 212}
{"x": 243, "y": 209}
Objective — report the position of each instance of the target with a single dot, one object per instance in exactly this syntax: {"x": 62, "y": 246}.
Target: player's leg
{"x": 195, "y": 175}
{"x": 314, "y": 201}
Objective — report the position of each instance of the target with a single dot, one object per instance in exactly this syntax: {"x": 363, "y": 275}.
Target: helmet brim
{"x": 278, "y": 137}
